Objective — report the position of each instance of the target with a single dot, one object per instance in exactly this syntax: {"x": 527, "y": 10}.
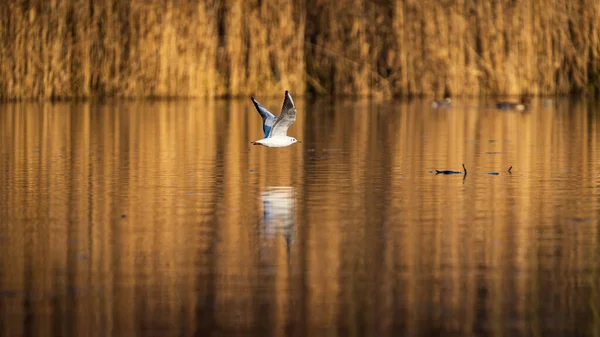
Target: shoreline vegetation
{"x": 69, "y": 49}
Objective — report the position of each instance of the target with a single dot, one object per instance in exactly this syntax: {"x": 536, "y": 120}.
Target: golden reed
{"x": 185, "y": 48}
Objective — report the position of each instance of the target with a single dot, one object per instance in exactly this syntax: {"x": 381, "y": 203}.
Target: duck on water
{"x": 445, "y": 103}
{"x": 523, "y": 104}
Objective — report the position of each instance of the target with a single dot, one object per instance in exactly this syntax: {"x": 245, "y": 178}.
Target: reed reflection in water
{"x": 159, "y": 219}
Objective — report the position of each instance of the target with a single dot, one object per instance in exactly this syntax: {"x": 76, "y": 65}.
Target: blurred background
{"x": 181, "y": 48}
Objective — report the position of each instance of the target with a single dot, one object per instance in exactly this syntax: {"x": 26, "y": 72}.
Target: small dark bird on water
{"x": 510, "y": 168}
{"x": 452, "y": 172}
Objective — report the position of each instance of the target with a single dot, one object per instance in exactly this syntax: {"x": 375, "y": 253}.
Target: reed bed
{"x": 183, "y": 48}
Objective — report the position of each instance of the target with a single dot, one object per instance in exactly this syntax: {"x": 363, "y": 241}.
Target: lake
{"x": 158, "y": 218}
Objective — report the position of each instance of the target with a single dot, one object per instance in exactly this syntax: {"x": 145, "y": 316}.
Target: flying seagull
{"x": 275, "y": 129}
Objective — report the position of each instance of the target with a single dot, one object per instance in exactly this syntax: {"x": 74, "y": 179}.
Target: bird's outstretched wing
{"x": 286, "y": 118}
{"x": 267, "y": 117}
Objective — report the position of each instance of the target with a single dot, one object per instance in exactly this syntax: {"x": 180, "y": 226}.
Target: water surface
{"x": 160, "y": 219}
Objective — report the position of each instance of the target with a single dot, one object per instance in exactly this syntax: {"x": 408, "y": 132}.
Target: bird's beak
{"x": 299, "y": 141}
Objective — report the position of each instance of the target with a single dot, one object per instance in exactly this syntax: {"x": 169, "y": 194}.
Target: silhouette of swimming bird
{"x": 452, "y": 172}
{"x": 498, "y": 173}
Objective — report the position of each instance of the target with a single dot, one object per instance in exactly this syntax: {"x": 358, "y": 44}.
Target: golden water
{"x": 160, "y": 219}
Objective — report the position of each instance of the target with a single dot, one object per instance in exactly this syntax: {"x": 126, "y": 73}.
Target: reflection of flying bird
{"x": 279, "y": 209}
{"x": 279, "y": 218}
{"x": 275, "y": 129}
{"x": 279, "y": 212}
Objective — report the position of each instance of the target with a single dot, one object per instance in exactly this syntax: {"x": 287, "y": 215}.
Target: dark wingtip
{"x": 288, "y": 103}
